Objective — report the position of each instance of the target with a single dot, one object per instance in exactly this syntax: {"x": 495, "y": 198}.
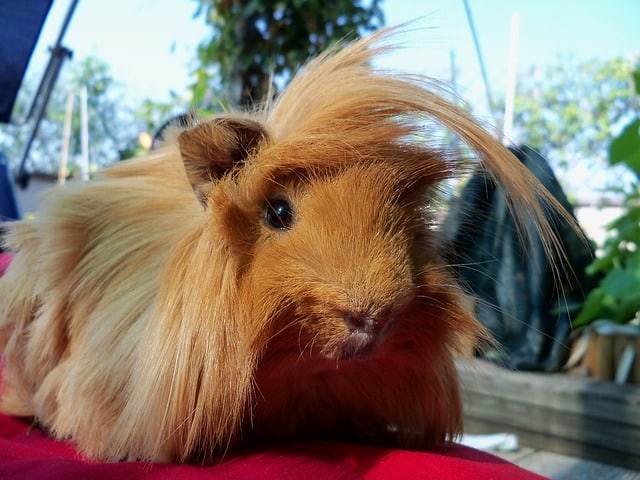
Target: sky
{"x": 151, "y": 44}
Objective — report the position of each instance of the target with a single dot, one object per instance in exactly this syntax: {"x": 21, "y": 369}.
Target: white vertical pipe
{"x": 66, "y": 139}
{"x": 84, "y": 132}
{"x": 483, "y": 70}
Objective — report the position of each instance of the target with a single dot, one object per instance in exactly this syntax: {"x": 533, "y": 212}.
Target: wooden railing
{"x": 582, "y": 417}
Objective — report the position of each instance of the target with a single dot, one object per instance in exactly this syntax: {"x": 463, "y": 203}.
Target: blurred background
{"x": 145, "y": 60}
{"x": 561, "y": 77}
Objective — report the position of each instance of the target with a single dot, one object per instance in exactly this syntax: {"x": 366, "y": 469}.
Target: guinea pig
{"x": 273, "y": 275}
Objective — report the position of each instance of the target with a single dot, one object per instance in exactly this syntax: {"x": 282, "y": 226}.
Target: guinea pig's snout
{"x": 366, "y": 333}
{"x": 368, "y": 327}
{"x": 362, "y": 322}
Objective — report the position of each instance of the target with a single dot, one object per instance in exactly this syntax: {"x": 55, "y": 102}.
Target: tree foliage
{"x": 588, "y": 115}
{"x": 113, "y": 127}
{"x": 571, "y": 111}
{"x": 253, "y": 39}
{"x": 617, "y": 296}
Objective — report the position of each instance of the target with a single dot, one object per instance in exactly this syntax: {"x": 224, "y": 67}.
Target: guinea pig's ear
{"x": 211, "y": 149}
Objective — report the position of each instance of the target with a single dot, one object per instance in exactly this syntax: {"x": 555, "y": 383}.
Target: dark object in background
{"x": 519, "y": 300}
{"x": 20, "y": 24}
{"x": 8, "y": 203}
{"x": 182, "y": 120}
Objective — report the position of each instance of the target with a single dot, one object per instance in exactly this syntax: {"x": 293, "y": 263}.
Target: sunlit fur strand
{"x": 195, "y": 361}
{"x": 95, "y": 293}
{"x": 356, "y": 86}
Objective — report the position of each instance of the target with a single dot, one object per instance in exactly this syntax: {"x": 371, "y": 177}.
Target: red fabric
{"x": 36, "y": 456}
{"x": 5, "y": 260}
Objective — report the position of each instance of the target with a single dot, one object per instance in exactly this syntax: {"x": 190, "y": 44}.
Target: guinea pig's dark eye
{"x": 278, "y": 214}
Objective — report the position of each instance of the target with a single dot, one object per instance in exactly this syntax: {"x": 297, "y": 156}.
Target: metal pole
{"x": 507, "y": 129}
{"x": 476, "y": 42}
{"x": 39, "y": 105}
{"x": 47, "y": 82}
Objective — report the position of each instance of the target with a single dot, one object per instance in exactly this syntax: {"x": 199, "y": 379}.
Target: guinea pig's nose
{"x": 361, "y": 322}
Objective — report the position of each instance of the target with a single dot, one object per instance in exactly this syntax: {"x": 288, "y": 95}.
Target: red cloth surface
{"x": 34, "y": 455}
{"x": 5, "y": 260}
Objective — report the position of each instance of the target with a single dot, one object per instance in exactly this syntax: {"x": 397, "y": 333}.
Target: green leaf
{"x": 626, "y": 147}
{"x": 253, "y": 41}
{"x": 591, "y": 309}
{"x": 622, "y": 283}
{"x": 603, "y": 264}
{"x": 636, "y": 81}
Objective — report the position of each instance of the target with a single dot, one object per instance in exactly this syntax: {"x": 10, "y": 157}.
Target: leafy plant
{"x": 617, "y": 296}
{"x": 252, "y": 40}
{"x": 569, "y": 111}
{"x": 112, "y": 125}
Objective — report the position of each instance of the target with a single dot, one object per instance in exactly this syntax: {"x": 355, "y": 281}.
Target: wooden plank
{"x": 561, "y": 392}
{"x": 557, "y": 445}
{"x": 614, "y": 435}
{"x": 592, "y": 419}
{"x": 561, "y": 467}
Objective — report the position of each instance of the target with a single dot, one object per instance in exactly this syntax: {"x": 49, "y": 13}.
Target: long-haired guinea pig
{"x": 266, "y": 276}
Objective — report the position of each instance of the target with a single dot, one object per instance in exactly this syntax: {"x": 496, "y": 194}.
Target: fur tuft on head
{"x": 269, "y": 275}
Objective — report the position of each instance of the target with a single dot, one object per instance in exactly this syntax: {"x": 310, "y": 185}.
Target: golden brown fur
{"x": 155, "y": 314}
